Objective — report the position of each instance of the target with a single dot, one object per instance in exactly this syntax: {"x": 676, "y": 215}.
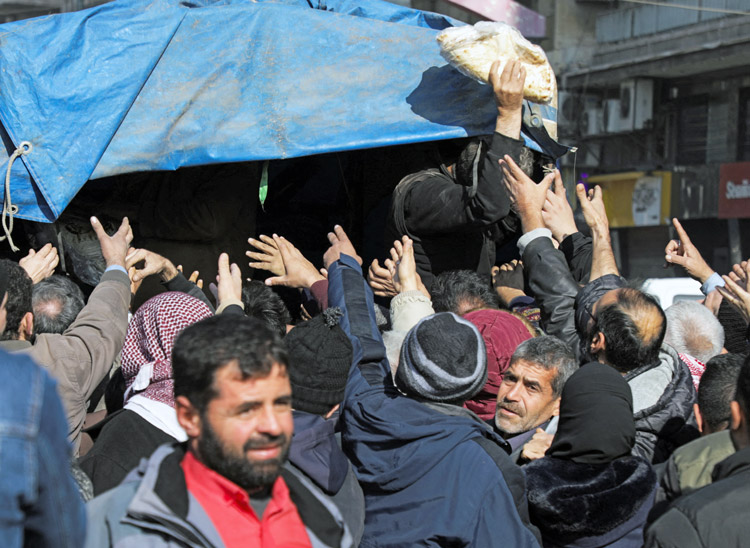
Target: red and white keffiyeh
{"x": 146, "y": 356}
{"x": 697, "y": 368}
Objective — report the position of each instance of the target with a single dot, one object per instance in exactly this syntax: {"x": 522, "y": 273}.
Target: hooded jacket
{"x": 454, "y": 225}
{"x": 663, "y": 398}
{"x": 590, "y": 505}
{"x": 716, "y": 515}
{"x": 429, "y": 478}
{"x": 152, "y": 507}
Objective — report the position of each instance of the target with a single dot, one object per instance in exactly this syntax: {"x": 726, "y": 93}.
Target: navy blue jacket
{"x": 429, "y": 478}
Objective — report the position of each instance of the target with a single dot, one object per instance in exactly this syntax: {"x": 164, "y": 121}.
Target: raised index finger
{"x": 684, "y": 238}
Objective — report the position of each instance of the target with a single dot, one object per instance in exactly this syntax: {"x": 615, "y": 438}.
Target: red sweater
{"x": 228, "y": 506}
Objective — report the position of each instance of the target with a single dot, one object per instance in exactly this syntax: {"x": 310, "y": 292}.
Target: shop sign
{"x": 734, "y": 190}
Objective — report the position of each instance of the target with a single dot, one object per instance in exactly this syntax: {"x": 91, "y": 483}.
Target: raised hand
{"x": 40, "y": 264}
{"x": 557, "y": 213}
{"x": 297, "y": 270}
{"x": 593, "y": 208}
{"x": 340, "y": 243}
{"x": 682, "y": 252}
{"x": 737, "y": 289}
{"x": 152, "y": 263}
{"x": 228, "y": 282}
{"x": 380, "y": 279}
{"x": 115, "y": 247}
{"x": 527, "y": 197}
{"x": 507, "y": 86}
{"x": 403, "y": 267}
{"x": 268, "y": 257}
{"x": 507, "y": 280}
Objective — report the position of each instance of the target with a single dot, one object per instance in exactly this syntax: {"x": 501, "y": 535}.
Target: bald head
{"x": 633, "y": 327}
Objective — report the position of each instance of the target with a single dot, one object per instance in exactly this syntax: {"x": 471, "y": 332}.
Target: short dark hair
{"x": 743, "y": 387}
{"x": 208, "y": 345}
{"x": 549, "y": 353}
{"x": 19, "y": 299}
{"x": 632, "y": 339}
{"x": 263, "y": 303}
{"x": 717, "y": 388}
{"x": 56, "y": 302}
{"x": 454, "y": 287}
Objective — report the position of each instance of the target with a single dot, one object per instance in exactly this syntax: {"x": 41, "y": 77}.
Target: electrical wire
{"x": 687, "y": 7}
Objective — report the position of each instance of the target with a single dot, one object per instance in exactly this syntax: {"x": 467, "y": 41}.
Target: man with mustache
{"x": 529, "y": 396}
{"x": 228, "y": 485}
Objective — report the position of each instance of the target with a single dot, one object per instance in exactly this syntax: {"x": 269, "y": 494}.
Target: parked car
{"x": 671, "y": 290}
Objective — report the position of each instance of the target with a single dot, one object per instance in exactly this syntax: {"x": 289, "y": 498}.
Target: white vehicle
{"x": 670, "y": 290}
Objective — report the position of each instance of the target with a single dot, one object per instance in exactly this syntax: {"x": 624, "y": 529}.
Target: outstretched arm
{"x": 349, "y": 291}
{"x": 545, "y": 268}
{"x": 602, "y": 258}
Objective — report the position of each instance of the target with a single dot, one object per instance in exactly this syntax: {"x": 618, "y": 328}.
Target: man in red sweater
{"x": 228, "y": 485}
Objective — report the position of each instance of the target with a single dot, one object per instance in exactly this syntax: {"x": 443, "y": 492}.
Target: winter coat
{"x": 717, "y": 515}
{"x": 152, "y": 507}
{"x": 316, "y": 452}
{"x": 690, "y": 466}
{"x": 663, "y": 398}
{"x": 40, "y": 505}
{"x": 82, "y": 356}
{"x": 430, "y": 478}
{"x": 454, "y": 226}
{"x": 124, "y": 440}
{"x": 590, "y": 505}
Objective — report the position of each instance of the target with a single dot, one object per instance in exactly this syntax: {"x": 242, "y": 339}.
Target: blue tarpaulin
{"x": 141, "y": 85}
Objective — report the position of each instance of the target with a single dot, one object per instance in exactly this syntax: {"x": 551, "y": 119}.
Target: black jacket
{"x": 590, "y": 505}
{"x": 549, "y": 280}
{"x": 125, "y": 439}
{"x": 716, "y": 515}
{"x": 454, "y": 226}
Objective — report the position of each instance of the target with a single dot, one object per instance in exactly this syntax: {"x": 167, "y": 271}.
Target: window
{"x": 692, "y": 130}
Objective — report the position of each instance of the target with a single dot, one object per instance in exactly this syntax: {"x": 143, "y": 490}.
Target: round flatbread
{"x": 473, "y": 49}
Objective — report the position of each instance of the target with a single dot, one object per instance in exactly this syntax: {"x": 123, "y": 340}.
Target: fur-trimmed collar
{"x": 568, "y": 501}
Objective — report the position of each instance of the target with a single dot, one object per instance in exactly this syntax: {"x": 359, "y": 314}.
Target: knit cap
{"x": 734, "y": 328}
{"x": 320, "y": 356}
{"x": 502, "y": 333}
{"x": 443, "y": 359}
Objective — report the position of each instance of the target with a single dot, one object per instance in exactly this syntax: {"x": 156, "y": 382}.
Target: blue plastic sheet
{"x": 156, "y": 85}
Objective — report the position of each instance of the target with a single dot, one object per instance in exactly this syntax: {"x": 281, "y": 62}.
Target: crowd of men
{"x": 542, "y": 402}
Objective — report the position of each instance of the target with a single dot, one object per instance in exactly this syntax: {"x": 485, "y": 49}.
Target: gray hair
{"x": 56, "y": 302}
{"x": 549, "y": 353}
{"x": 693, "y": 329}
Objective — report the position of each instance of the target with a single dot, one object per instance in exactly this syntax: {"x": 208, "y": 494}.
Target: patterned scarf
{"x": 147, "y": 353}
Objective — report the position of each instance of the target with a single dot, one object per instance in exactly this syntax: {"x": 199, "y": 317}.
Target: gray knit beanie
{"x": 443, "y": 359}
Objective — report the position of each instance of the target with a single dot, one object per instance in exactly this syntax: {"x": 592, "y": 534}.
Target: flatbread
{"x": 473, "y": 49}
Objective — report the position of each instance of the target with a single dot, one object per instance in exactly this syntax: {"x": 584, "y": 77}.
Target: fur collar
{"x": 568, "y": 500}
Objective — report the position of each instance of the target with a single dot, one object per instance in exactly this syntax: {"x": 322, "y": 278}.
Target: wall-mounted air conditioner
{"x": 636, "y": 104}
{"x": 612, "y": 116}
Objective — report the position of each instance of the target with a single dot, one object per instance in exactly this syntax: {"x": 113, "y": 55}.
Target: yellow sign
{"x": 636, "y": 198}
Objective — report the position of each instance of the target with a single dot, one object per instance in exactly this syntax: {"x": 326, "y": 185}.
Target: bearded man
{"x": 228, "y": 485}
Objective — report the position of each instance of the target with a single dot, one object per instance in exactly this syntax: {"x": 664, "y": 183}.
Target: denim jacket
{"x": 40, "y": 502}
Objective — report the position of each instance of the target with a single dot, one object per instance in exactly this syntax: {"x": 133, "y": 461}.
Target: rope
{"x": 8, "y": 208}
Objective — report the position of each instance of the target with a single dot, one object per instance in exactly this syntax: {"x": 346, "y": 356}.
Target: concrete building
{"x": 657, "y": 101}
